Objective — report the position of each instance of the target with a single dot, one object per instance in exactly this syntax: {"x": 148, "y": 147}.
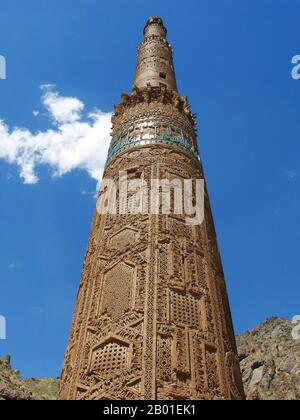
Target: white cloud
{"x": 291, "y": 174}
{"x": 75, "y": 142}
{"x": 62, "y": 109}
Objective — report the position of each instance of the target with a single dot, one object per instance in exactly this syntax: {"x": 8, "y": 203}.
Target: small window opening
{"x": 162, "y": 75}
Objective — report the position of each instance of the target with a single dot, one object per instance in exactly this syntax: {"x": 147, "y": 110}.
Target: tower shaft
{"x": 152, "y": 319}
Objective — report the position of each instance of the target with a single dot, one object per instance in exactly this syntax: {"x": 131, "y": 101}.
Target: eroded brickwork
{"x": 152, "y": 318}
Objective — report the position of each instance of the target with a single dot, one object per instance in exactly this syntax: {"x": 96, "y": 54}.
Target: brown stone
{"x": 152, "y": 318}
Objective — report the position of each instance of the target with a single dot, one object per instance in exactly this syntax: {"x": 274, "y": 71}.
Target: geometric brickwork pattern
{"x": 109, "y": 358}
{"x": 117, "y": 288}
{"x": 185, "y": 310}
{"x": 152, "y": 319}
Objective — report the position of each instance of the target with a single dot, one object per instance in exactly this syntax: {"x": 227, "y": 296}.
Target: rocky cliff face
{"x": 270, "y": 364}
{"x": 270, "y": 361}
{"x": 12, "y": 387}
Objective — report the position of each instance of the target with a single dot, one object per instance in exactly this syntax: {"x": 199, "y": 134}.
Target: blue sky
{"x": 233, "y": 60}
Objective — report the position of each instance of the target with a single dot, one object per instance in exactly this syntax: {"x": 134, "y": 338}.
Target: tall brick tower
{"x": 152, "y": 319}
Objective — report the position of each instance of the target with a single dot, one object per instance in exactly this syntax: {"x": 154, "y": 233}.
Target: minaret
{"x": 155, "y": 58}
{"x": 152, "y": 319}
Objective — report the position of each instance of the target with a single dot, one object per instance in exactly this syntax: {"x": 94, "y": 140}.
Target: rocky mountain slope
{"x": 12, "y": 387}
{"x": 270, "y": 364}
{"x": 270, "y": 361}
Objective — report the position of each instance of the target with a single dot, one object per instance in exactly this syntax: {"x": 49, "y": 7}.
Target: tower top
{"x": 155, "y": 58}
{"x": 155, "y": 26}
